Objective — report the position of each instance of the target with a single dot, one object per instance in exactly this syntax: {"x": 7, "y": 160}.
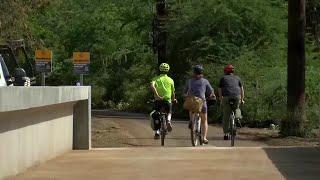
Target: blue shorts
{"x": 204, "y": 107}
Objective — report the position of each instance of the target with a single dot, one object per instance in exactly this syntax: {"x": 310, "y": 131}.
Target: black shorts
{"x": 166, "y": 105}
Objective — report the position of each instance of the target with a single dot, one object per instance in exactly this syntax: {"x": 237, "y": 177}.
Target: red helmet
{"x": 229, "y": 69}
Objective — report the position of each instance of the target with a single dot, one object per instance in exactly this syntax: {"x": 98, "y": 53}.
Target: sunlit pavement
{"x": 182, "y": 163}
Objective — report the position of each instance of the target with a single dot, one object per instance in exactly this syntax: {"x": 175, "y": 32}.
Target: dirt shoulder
{"x": 272, "y": 138}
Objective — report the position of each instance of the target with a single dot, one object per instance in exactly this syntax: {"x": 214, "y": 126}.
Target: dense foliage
{"x": 249, "y": 34}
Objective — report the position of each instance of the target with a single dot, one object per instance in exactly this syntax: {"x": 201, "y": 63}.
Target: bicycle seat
{"x": 233, "y": 103}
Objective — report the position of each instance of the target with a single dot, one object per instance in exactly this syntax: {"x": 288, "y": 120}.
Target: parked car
{"x": 13, "y": 70}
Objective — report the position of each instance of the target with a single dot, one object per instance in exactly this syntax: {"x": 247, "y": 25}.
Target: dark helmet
{"x": 229, "y": 69}
{"x": 198, "y": 69}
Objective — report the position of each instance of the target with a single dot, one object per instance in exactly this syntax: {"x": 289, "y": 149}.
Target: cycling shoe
{"x": 156, "y": 136}
{"x": 189, "y": 125}
{"x": 226, "y": 137}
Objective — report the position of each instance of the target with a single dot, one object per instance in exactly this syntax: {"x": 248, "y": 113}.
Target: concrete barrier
{"x": 40, "y": 123}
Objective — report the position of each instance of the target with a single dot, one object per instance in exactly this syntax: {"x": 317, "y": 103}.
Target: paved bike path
{"x": 181, "y": 163}
{"x": 177, "y": 160}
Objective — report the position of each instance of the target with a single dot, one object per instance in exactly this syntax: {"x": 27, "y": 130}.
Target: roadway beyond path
{"x": 136, "y": 132}
{"x": 181, "y": 163}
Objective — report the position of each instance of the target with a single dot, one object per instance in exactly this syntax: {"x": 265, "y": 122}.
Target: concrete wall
{"x": 40, "y": 123}
{"x": 81, "y": 125}
{"x": 18, "y": 98}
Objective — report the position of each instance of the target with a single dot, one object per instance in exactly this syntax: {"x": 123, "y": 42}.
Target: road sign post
{"x": 43, "y": 79}
{"x": 81, "y": 79}
{"x": 43, "y": 63}
{"x": 81, "y": 62}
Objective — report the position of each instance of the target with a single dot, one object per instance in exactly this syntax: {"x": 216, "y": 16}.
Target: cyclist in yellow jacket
{"x": 163, "y": 89}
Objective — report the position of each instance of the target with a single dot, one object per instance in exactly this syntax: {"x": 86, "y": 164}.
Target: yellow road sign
{"x": 81, "y": 62}
{"x": 81, "y": 58}
{"x": 43, "y": 55}
{"x": 43, "y": 61}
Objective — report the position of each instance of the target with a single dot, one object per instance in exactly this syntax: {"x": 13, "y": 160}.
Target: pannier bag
{"x": 155, "y": 120}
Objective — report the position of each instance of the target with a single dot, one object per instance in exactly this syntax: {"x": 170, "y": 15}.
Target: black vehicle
{"x": 16, "y": 65}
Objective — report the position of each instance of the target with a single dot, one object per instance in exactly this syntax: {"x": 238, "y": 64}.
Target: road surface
{"x": 133, "y": 154}
{"x": 149, "y": 163}
{"x": 136, "y": 132}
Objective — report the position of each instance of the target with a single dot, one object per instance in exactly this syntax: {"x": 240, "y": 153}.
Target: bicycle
{"x": 233, "y": 126}
{"x": 195, "y": 130}
{"x": 162, "y": 120}
{"x": 163, "y": 127}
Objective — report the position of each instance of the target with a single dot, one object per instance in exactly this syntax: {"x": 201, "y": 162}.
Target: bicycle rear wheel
{"x": 232, "y": 128}
{"x": 163, "y": 135}
{"x": 195, "y": 135}
{"x": 232, "y": 140}
{"x": 163, "y": 130}
{"x": 200, "y": 138}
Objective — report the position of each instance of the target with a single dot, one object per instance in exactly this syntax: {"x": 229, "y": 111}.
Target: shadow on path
{"x": 296, "y": 163}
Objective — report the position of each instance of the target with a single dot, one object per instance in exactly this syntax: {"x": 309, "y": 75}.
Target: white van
{"x": 19, "y": 78}
{"x": 3, "y": 72}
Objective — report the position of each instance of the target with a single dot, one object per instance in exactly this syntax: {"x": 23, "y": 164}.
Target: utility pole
{"x": 161, "y": 31}
{"x": 296, "y": 117}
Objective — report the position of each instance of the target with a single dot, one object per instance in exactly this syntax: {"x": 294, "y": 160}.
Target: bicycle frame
{"x": 163, "y": 122}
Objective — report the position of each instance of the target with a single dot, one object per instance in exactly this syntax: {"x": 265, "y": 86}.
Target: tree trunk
{"x": 294, "y": 123}
{"x": 162, "y": 34}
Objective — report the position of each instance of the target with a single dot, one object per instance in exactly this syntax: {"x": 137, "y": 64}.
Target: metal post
{"x": 43, "y": 79}
{"x": 81, "y": 79}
